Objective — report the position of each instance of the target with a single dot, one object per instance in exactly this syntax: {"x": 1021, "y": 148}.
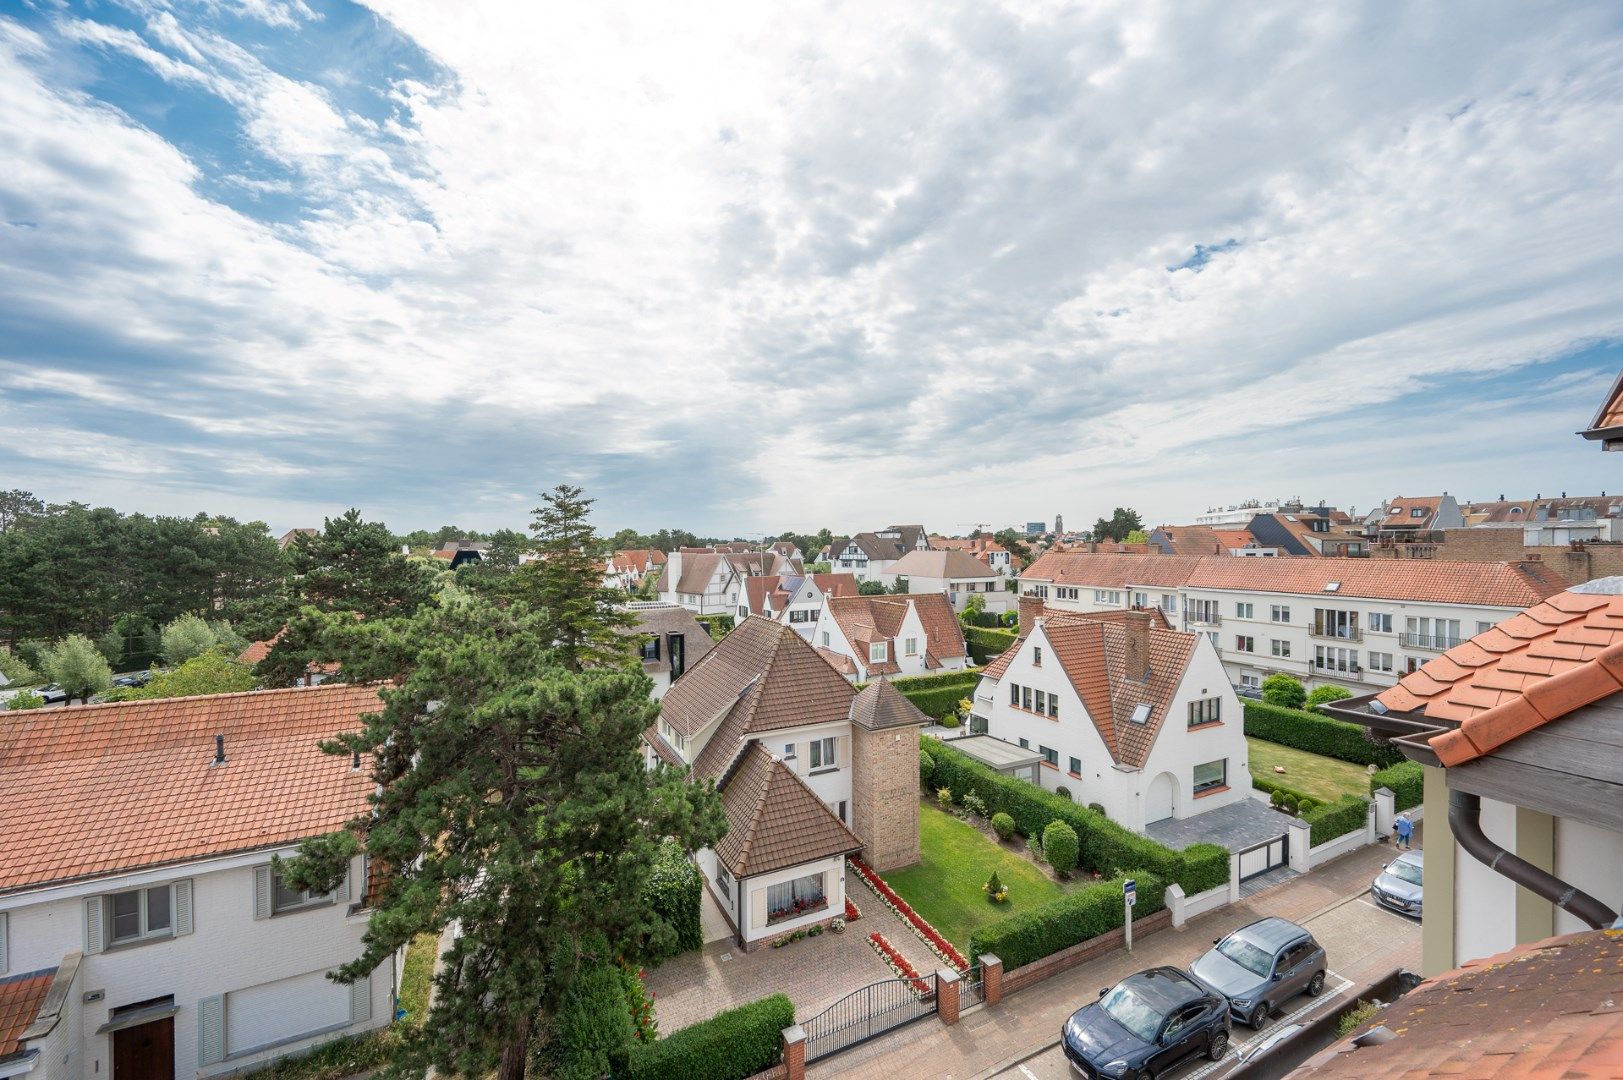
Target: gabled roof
{"x": 1608, "y": 422}
{"x": 1548, "y": 1009}
{"x": 1188, "y": 540}
{"x": 836, "y": 584}
{"x": 1535, "y": 667}
{"x": 761, "y": 677}
{"x": 774, "y": 821}
{"x": 880, "y": 706}
{"x": 875, "y": 547}
{"x": 864, "y": 620}
{"x": 953, "y": 565}
{"x": 1000, "y": 663}
{"x": 1400, "y": 512}
{"x": 697, "y": 570}
{"x": 21, "y": 997}
{"x": 759, "y": 590}
{"x": 1110, "y": 570}
{"x": 662, "y": 619}
{"x": 92, "y": 790}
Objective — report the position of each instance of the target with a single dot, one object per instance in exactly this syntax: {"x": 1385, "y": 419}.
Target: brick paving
{"x": 813, "y": 972}
{"x": 1364, "y": 942}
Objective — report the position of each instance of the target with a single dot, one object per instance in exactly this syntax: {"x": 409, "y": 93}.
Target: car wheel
{"x": 1316, "y": 986}
{"x": 1258, "y": 1017}
{"x": 1218, "y": 1046}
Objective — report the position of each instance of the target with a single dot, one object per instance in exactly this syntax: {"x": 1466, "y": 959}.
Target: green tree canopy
{"x": 1118, "y": 525}
{"x": 1282, "y": 689}
{"x": 184, "y": 638}
{"x": 870, "y": 588}
{"x": 78, "y": 667}
{"x": 1327, "y": 693}
{"x": 210, "y": 672}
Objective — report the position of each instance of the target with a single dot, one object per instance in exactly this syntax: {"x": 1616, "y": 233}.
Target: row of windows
{"x": 1067, "y": 592}
{"x": 160, "y": 912}
{"x": 821, "y": 751}
{"x": 1205, "y": 711}
{"x": 1038, "y": 701}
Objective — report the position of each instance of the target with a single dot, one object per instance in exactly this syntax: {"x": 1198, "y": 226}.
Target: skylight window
{"x": 1334, "y": 586}
{"x": 1141, "y": 714}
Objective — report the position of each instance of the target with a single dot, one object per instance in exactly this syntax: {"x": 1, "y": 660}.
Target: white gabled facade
{"x": 718, "y": 594}
{"x": 1077, "y": 759}
{"x": 241, "y": 983}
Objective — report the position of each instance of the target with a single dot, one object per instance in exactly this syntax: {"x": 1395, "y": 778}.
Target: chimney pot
{"x": 219, "y": 749}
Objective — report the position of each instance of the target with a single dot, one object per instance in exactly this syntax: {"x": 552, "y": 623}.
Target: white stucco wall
{"x": 1591, "y": 858}
{"x": 227, "y": 951}
{"x": 755, "y": 909}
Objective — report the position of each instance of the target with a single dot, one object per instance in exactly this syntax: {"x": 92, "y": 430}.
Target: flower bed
{"x": 796, "y": 909}
{"x": 852, "y": 912}
{"x": 898, "y": 963}
{"x": 928, "y": 934}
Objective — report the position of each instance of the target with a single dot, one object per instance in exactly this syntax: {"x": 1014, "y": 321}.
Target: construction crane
{"x": 973, "y": 524}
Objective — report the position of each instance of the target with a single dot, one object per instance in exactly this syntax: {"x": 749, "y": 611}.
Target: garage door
{"x": 287, "y": 1009}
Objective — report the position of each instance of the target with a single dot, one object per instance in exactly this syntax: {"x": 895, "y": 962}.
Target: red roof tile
{"x": 20, "y": 999}
{"x": 98, "y": 789}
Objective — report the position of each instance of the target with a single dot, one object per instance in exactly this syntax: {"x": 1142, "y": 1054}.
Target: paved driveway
{"x": 1018, "y": 1038}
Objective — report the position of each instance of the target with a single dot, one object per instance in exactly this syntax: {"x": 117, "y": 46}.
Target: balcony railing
{"x": 1338, "y": 669}
{"x": 1434, "y": 642}
{"x": 1333, "y": 633}
{"x": 1204, "y": 619}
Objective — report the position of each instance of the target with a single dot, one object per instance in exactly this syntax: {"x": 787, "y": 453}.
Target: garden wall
{"x": 1081, "y": 953}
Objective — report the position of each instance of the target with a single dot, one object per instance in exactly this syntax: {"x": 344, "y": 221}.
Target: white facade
{"x": 721, "y": 591}
{"x": 992, "y": 589}
{"x": 246, "y": 985}
{"x": 907, "y": 650}
{"x": 1238, "y": 516}
{"x": 746, "y": 902}
{"x": 851, "y": 559}
{"x": 1165, "y": 786}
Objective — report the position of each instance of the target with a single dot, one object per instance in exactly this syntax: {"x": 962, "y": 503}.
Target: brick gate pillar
{"x": 947, "y": 995}
{"x": 794, "y": 1053}
{"x": 991, "y": 979}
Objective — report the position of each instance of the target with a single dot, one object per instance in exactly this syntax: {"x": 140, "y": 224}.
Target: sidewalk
{"x": 1362, "y": 941}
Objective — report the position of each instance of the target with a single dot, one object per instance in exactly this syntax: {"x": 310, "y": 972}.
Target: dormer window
{"x": 877, "y": 652}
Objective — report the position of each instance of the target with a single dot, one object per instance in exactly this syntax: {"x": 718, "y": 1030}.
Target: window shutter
{"x": 360, "y": 1000}
{"x": 211, "y": 1030}
{"x": 5, "y": 962}
{"x": 262, "y": 892}
{"x": 346, "y": 888}
{"x": 183, "y": 907}
{"x": 93, "y": 939}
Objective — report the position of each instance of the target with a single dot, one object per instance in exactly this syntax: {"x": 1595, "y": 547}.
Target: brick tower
{"x": 885, "y": 775}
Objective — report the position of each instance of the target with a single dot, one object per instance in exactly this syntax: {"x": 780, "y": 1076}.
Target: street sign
{"x": 1129, "y": 892}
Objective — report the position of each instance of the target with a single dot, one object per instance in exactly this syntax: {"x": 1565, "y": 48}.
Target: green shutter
{"x": 211, "y": 1030}
{"x": 93, "y": 936}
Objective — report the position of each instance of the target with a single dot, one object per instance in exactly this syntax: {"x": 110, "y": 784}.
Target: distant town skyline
{"x": 747, "y": 269}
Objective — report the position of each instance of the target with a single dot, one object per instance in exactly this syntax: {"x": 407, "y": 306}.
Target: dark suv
{"x": 1144, "y": 1025}
{"x": 1260, "y": 965}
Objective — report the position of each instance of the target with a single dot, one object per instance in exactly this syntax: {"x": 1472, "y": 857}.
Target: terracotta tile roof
{"x": 697, "y": 570}
{"x": 880, "y": 705}
{"x": 1610, "y": 414}
{"x": 839, "y": 661}
{"x": 761, "y": 677}
{"x": 955, "y": 565}
{"x": 1546, "y": 1010}
{"x": 20, "y": 999}
{"x": 1234, "y": 538}
{"x": 665, "y": 619}
{"x": 1112, "y": 570}
{"x": 99, "y": 789}
{"x": 836, "y": 584}
{"x": 1000, "y": 663}
{"x": 1190, "y": 540}
{"x": 1557, "y": 656}
{"x": 774, "y": 821}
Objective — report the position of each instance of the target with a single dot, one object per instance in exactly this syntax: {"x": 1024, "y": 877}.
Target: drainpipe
{"x": 1465, "y": 819}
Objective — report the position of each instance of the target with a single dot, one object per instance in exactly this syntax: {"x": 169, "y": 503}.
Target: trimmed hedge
{"x": 1345, "y": 815}
{"x": 675, "y": 891}
{"x": 1070, "y": 920}
{"x": 729, "y": 1046}
{"x": 719, "y": 626}
{"x": 1105, "y": 847}
{"x": 1316, "y": 734}
{"x": 937, "y": 695}
{"x": 986, "y": 643}
{"x": 1263, "y": 783}
{"x": 1406, "y": 780}
{"x": 593, "y": 1025}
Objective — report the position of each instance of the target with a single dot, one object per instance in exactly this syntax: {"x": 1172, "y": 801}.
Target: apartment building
{"x": 1357, "y": 623}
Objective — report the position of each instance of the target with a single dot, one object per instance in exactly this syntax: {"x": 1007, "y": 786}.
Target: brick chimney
{"x": 1031, "y": 609}
{"x": 1138, "y": 645}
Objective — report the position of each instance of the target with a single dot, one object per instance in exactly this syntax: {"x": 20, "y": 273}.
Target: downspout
{"x": 1465, "y": 819}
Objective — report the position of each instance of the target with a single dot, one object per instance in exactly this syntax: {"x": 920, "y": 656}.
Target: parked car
{"x": 1261, "y": 965}
{"x": 1144, "y": 1025}
{"x": 52, "y": 693}
{"x": 1252, "y": 692}
{"x": 133, "y": 678}
{"x": 1398, "y": 886}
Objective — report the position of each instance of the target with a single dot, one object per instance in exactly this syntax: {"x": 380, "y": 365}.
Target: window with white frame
{"x": 822, "y": 754}
{"x": 1141, "y": 599}
{"x": 1025, "y": 697}
{"x": 1330, "y": 658}
{"x": 1279, "y": 613}
{"x": 1279, "y": 648}
{"x": 1245, "y": 643}
{"x": 1213, "y": 774}
{"x": 1380, "y": 661}
{"x": 285, "y": 899}
{"x": 1063, "y": 592}
{"x": 910, "y": 646}
{"x": 1205, "y": 711}
{"x": 1380, "y": 622}
{"x": 724, "y": 882}
{"x": 1106, "y": 596}
{"x": 1014, "y": 693}
{"x": 803, "y": 615}
{"x": 1203, "y": 611}
{"x": 877, "y": 652}
{"x": 825, "y": 639}
{"x": 789, "y": 751}
{"x": 1042, "y": 700}
{"x": 1036, "y": 656}
{"x": 791, "y": 899}
{"x": 1250, "y": 680}
{"x": 1243, "y": 610}
{"x": 1169, "y": 603}
{"x": 1053, "y": 706}
{"x": 138, "y": 915}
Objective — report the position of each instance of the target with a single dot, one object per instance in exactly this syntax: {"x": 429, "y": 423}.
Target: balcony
{"x": 1433, "y": 642}
{"x": 1337, "y": 669}
{"x": 1199, "y": 618}
{"x": 1332, "y": 633}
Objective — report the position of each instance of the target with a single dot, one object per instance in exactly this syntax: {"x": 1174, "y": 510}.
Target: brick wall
{"x": 885, "y": 795}
{"x": 1109, "y": 941}
{"x": 1505, "y": 545}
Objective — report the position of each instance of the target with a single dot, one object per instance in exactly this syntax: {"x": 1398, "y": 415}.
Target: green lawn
{"x": 945, "y": 887}
{"x": 1322, "y": 777}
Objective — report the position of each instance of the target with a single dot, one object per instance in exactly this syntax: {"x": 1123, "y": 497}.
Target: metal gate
{"x": 1264, "y": 857}
{"x": 971, "y": 988}
{"x": 867, "y": 1013}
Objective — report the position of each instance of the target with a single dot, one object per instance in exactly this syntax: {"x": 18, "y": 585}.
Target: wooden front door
{"x": 145, "y": 1052}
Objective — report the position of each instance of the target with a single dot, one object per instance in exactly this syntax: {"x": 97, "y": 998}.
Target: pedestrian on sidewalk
{"x": 1404, "y": 828}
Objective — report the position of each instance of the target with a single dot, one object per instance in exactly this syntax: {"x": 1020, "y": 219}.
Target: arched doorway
{"x": 1161, "y": 800}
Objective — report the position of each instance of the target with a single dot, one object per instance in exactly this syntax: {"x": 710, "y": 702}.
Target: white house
{"x": 957, "y": 575}
{"x": 139, "y": 913}
{"x": 809, "y": 771}
{"x": 704, "y": 582}
{"x": 794, "y": 599}
{"x": 1520, "y": 730}
{"x": 868, "y": 636}
{"x": 1358, "y": 623}
{"x": 984, "y": 548}
{"x": 669, "y": 641}
{"x": 1124, "y": 712}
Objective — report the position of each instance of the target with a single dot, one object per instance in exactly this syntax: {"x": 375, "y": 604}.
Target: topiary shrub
{"x": 1281, "y": 689}
{"x": 1060, "y": 847}
{"x": 996, "y": 891}
{"x": 1323, "y": 694}
{"x": 1062, "y": 791}
{"x": 944, "y": 797}
{"x": 950, "y": 720}
{"x": 1098, "y": 808}
{"x": 1275, "y": 797}
{"x": 1003, "y": 825}
{"x": 1407, "y": 782}
{"x": 729, "y": 1046}
{"x": 593, "y": 1028}
{"x": 1289, "y": 803}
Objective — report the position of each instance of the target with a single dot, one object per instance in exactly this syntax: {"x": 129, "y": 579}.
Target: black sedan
{"x": 1146, "y": 1024}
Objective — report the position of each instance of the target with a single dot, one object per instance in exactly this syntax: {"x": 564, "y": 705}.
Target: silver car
{"x": 1398, "y": 886}
{"x": 1260, "y": 966}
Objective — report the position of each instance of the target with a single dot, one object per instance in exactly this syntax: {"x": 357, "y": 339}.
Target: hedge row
{"x": 937, "y": 695}
{"x": 594, "y": 1026}
{"x": 729, "y": 1046}
{"x": 1263, "y": 783}
{"x": 1316, "y": 734}
{"x": 1345, "y": 815}
{"x": 675, "y": 891}
{"x": 986, "y": 644}
{"x": 1406, "y": 780}
{"x": 1072, "y": 919}
{"x": 904, "y": 683}
{"x": 719, "y": 626}
{"x": 1106, "y": 847}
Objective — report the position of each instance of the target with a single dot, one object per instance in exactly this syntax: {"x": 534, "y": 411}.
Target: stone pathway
{"x": 813, "y": 972}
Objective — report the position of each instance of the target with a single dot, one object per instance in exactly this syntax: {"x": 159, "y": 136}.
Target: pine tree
{"x": 565, "y": 585}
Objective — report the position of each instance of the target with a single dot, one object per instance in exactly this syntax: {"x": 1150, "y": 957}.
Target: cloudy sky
{"x": 780, "y": 266}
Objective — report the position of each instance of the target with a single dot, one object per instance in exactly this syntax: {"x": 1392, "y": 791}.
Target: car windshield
{"x": 1247, "y": 955}
{"x": 1129, "y": 1010}
{"x": 1405, "y": 871}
